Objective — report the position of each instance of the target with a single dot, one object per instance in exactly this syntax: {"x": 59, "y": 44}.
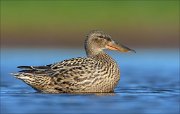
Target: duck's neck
{"x": 91, "y": 50}
{"x": 97, "y": 54}
{"x": 102, "y": 56}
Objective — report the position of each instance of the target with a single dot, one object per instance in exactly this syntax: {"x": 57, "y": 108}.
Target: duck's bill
{"x": 119, "y": 47}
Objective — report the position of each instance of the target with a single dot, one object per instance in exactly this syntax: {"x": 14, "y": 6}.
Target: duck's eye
{"x": 105, "y": 37}
{"x": 96, "y": 40}
{"x": 101, "y": 36}
{"x": 108, "y": 39}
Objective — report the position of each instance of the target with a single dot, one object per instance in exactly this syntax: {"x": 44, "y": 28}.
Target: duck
{"x": 96, "y": 73}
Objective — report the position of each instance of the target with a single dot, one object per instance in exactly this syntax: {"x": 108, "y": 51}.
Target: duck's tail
{"x": 24, "y": 73}
{"x": 22, "y": 76}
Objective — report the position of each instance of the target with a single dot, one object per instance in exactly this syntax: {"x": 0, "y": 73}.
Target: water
{"x": 149, "y": 84}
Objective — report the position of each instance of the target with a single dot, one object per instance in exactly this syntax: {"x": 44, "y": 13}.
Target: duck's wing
{"x": 75, "y": 74}
{"x": 72, "y": 67}
{"x": 67, "y": 76}
{"x": 35, "y": 69}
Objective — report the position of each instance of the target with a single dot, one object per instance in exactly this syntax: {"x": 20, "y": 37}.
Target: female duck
{"x": 98, "y": 72}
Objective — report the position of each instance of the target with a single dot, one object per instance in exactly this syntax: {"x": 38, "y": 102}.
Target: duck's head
{"x": 97, "y": 41}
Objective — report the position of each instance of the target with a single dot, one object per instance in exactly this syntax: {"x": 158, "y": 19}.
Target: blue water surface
{"x": 149, "y": 84}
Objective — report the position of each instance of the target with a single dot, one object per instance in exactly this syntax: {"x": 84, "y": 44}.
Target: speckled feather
{"x": 96, "y": 73}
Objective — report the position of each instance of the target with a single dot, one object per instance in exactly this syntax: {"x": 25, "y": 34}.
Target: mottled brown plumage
{"x": 96, "y": 73}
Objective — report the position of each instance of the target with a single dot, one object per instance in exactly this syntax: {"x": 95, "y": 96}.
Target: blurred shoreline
{"x": 143, "y": 24}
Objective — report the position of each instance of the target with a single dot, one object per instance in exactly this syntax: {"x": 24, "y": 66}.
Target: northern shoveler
{"x": 98, "y": 72}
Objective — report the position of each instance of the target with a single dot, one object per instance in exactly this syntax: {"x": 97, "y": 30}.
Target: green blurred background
{"x": 142, "y": 24}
